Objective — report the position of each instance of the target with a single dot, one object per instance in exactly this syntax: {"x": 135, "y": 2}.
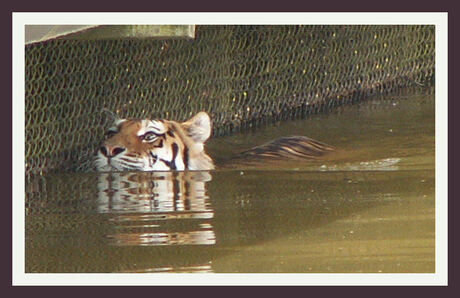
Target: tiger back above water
{"x": 165, "y": 145}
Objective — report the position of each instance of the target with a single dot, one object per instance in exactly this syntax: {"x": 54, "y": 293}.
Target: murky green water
{"x": 367, "y": 208}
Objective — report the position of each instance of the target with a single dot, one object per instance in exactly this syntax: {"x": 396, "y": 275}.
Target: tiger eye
{"x": 148, "y": 137}
{"x": 110, "y": 134}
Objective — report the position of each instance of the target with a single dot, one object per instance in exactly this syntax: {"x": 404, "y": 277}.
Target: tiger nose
{"x": 111, "y": 151}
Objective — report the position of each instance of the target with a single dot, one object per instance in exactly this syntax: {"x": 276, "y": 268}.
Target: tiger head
{"x": 156, "y": 145}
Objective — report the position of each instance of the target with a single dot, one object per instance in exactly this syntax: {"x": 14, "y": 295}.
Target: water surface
{"x": 369, "y": 207}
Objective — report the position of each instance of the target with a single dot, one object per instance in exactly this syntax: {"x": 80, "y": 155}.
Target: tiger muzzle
{"x": 111, "y": 151}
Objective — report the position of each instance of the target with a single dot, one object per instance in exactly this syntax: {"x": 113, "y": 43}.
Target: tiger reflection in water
{"x": 144, "y": 206}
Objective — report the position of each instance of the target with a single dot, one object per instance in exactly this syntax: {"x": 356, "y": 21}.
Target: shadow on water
{"x": 369, "y": 211}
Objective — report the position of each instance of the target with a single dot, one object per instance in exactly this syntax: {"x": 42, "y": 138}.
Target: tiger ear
{"x": 198, "y": 127}
{"x": 114, "y": 117}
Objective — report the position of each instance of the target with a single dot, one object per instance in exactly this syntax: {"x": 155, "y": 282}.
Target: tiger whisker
{"x": 130, "y": 160}
{"x": 130, "y": 167}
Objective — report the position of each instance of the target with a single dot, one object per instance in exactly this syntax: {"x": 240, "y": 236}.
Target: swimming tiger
{"x": 165, "y": 145}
